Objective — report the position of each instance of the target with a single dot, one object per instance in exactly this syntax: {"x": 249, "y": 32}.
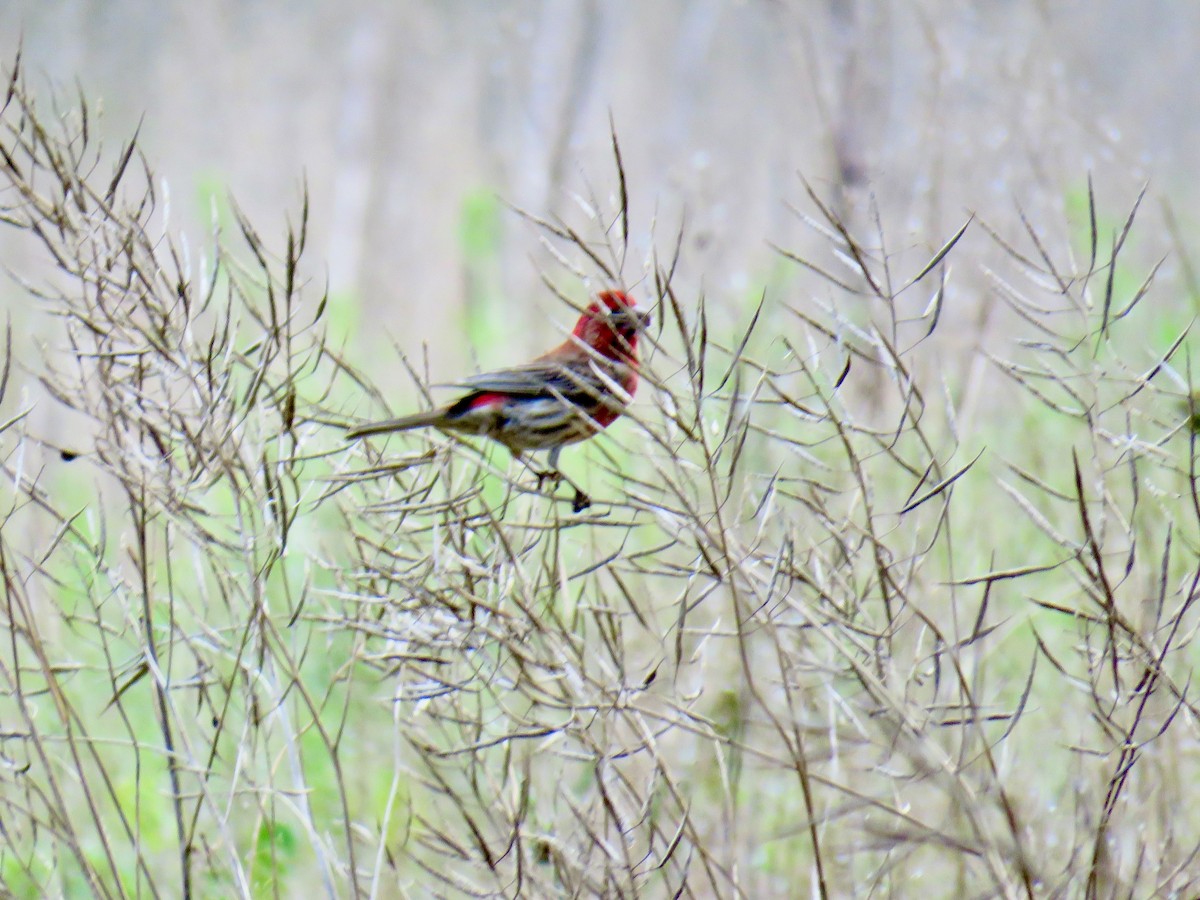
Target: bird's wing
{"x": 533, "y": 380}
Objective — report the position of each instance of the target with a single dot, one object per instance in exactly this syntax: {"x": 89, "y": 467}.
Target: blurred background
{"x": 416, "y": 124}
{"x": 418, "y": 129}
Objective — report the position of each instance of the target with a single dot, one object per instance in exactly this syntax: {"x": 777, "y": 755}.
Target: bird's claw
{"x": 551, "y": 475}
{"x": 579, "y": 502}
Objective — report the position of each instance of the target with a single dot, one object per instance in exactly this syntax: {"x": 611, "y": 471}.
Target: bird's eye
{"x": 623, "y": 319}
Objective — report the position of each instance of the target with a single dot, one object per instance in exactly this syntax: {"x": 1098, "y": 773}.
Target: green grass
{"x": 754, "y": 664}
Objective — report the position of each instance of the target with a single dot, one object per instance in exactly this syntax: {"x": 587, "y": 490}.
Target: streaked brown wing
{"x": 534, "y": 380}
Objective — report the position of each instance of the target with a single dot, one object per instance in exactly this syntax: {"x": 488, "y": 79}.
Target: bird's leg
{"x": 552, "y": 474}
{"x": 543, "y": 475}
{"x": 555, "y": 475}
{"x": 582, "y": 501}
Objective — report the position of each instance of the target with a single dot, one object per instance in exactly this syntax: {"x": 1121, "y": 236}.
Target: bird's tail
{"x": 417, "y": 420}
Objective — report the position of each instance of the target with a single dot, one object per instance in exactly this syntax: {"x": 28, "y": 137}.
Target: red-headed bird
{"x": 566, "y": 395}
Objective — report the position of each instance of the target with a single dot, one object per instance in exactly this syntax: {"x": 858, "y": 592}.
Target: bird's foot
{"x": 579, "y": 502}
{"x": 551, "y": 475}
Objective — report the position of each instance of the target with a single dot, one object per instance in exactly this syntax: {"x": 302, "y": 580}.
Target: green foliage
{"x": 276, "y": 852}
{"x": 842, "y": 614}
{"x": 488, "y": 320}
{"x": 212, "y": 200}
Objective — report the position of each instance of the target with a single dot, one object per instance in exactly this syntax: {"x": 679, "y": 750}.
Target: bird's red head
{"x": 611, "y": 324}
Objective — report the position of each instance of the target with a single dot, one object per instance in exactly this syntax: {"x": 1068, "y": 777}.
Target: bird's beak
{"x": 631, "y": 320}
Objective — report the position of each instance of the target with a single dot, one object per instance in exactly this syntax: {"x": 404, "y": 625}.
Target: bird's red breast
{"x": 609, "y": 326}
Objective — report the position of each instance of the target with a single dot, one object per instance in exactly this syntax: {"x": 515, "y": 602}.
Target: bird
{"x": 564, "y": 396}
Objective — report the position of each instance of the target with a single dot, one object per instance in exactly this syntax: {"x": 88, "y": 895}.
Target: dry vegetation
{"x": 815, "y": 637}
